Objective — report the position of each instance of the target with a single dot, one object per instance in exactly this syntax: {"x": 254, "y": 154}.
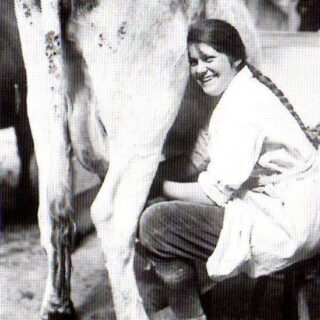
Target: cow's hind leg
{"x": 41, "y": 44}
{"x": 115, "y": 213}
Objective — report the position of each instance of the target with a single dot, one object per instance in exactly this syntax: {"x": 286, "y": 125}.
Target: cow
{"x": 105, "y": 82}
{"x": 13, "y": 109}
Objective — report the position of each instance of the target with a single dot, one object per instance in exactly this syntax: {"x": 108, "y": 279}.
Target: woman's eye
{"x": 193, "y": 62}
{"x": 209, "y": 59}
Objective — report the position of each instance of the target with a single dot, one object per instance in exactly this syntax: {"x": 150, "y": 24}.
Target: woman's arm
{"x": 188, "y": 191}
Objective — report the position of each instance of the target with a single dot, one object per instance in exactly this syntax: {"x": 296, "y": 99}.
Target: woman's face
{"x": 211, "y": 69}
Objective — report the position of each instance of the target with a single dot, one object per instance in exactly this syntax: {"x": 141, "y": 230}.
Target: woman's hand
{"x": 185, "y": 191}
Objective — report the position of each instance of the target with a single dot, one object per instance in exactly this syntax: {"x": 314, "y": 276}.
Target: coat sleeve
{"x": 234, "y": 148}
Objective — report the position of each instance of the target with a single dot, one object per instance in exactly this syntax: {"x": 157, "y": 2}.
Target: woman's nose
{"x": 201, "y": 70}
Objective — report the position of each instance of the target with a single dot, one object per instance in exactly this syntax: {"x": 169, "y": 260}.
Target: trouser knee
{"x": 175, "y": 272}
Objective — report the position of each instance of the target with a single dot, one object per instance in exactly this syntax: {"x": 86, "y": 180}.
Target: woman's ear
{"x": 234, "y": 63}
{"x": 237, "y": 63}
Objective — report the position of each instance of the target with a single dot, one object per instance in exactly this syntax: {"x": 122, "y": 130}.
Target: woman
{"x": 255, "y": 207}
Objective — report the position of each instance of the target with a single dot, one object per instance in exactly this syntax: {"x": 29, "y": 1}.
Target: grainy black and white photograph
{"x": 160, "y": 159}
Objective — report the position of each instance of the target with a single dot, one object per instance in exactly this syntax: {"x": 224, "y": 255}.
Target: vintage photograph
{"x": 160, "y": 159}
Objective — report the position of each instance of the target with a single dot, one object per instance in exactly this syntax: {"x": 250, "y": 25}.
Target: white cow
{"x": 105, "y": 81}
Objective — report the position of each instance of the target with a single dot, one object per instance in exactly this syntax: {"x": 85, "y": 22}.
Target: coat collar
{"x": 242, "y": 76}
{"x": 229, "y": 101}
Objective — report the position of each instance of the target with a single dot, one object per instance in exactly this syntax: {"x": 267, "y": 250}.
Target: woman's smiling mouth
{"x": 209, "y": 77}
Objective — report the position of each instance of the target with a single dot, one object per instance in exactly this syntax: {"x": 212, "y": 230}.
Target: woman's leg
{"x": 176, "y": 234}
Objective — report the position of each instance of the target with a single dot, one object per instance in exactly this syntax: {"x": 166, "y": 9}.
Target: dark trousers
{"x": 177, "y": 237}
{"x": 178, "y": 229}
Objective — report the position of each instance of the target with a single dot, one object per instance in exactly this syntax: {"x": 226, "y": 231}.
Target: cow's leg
{"x": 139, "y": 81}
{"x": 41, "y": 43}
{"x": 115, "y": 213}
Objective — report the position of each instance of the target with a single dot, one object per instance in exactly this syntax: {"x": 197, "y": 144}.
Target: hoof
{"x": 56, "y": 315}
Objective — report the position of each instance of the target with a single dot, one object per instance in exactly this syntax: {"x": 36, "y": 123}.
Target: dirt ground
{"x": 23, "y": 267}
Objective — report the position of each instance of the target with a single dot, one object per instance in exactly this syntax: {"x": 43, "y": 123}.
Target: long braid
{"x": 284, "y": 100}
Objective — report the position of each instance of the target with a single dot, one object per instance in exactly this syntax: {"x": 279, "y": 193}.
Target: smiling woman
{"x": 247, "y": 212}
{"x": 212, "y": 70}
{"x": 214, "y": 57}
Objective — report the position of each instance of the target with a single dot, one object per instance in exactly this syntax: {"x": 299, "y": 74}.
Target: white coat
{"x": 265, "y": 173}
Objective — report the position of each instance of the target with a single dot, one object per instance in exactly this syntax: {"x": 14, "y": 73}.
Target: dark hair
{"x": 219, "y": 34}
